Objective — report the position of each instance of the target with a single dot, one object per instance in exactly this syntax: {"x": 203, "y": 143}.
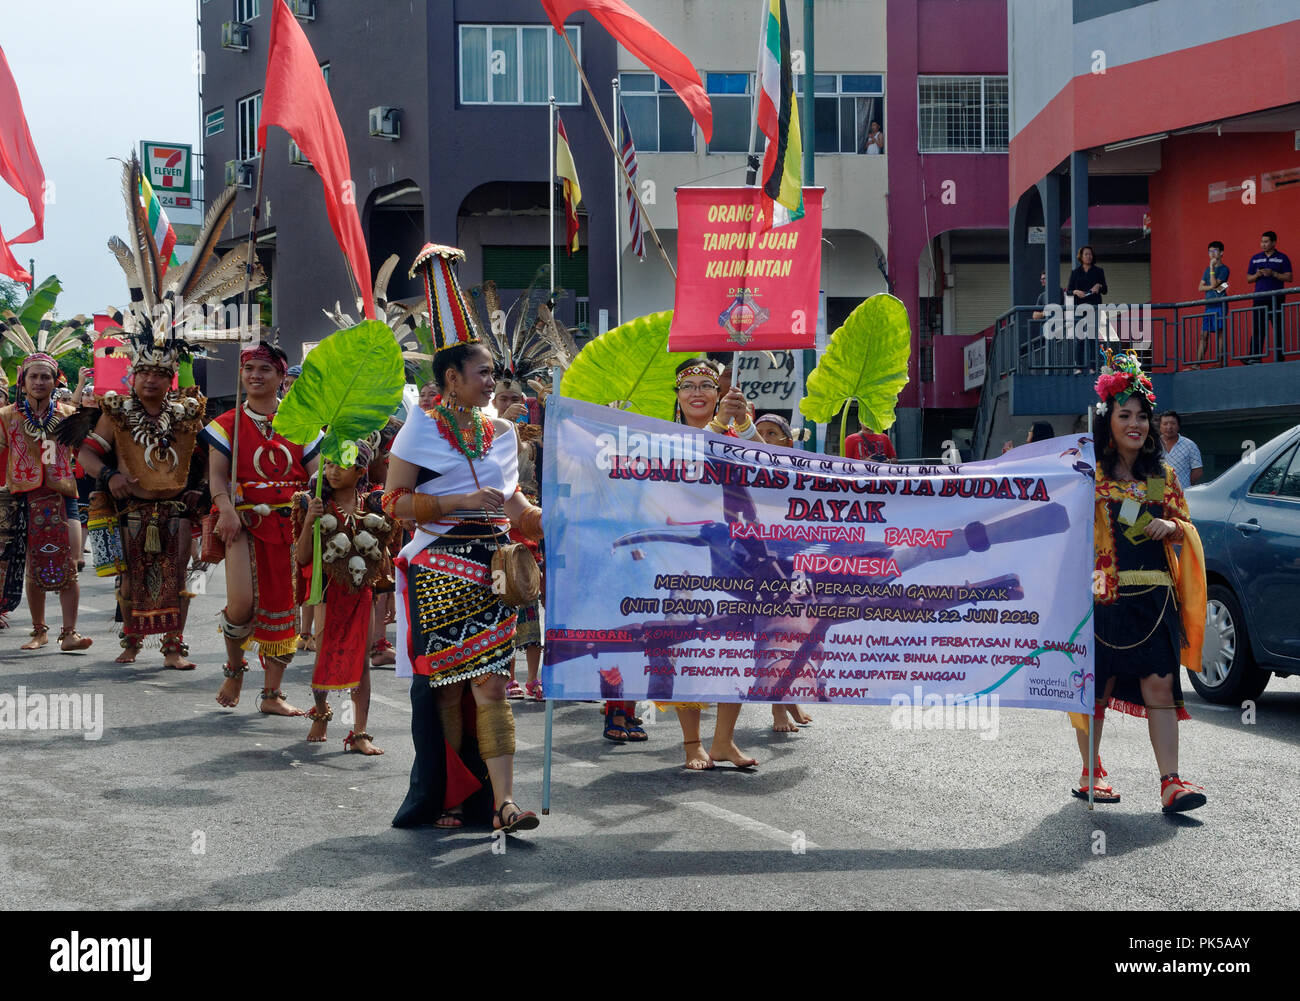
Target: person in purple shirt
{"x": 1270, "y": 270}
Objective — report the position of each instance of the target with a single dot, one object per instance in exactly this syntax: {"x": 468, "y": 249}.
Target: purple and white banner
{"x": 691, "y": 567}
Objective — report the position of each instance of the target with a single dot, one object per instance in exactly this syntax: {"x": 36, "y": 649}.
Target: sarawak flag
{"x": 778, "y": 118}
{"x": 164, "y": 237}
{"x": 628, "y": 152}
{"x": 21, "y": 169}
{"x": 636, "y": 35}
{"x": 566, "y": 169}
{"x": 297, "y": 99}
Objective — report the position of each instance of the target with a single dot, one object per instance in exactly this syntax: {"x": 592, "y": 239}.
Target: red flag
{"x": 21, "y": 169}
{"x": 639, "y": 38}
{"x": 297, "y": 99}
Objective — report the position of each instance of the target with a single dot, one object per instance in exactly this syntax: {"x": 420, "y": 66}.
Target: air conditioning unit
{"x": 235, "y": 36}
{"x": 303, "y": 10}
{"x": 296, "y": 156}
{"x": 239, "y": 173}
{"x": 386, "y": 123}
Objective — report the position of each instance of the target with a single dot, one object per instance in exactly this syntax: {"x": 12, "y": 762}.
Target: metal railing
{"x": 1167, "y": 337}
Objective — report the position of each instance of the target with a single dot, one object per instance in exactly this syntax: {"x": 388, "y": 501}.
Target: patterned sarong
{"x": 344, "y": 646}
{"x": 13, "y": 549}
{"x": 458, "y": 629}
{"x": 50, "y": 563}
{"x": 152, "y": 543}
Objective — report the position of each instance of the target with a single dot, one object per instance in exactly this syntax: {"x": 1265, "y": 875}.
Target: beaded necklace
{"x": 448, "y": 426}
{"x": 38, "y": 427}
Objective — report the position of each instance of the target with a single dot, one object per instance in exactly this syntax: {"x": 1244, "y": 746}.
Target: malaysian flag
{"x": 628, "y": 152}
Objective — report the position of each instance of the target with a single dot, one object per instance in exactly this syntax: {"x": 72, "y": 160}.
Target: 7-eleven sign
{"x": 169, "y": 169}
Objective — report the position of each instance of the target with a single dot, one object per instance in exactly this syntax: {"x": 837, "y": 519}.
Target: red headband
{"x": 261, "y": 352}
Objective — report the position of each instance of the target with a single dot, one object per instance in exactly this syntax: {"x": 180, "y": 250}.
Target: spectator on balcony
{"x": 1270, "y": 270}
{"x": 1214, "y": 283}
{"x": 1086, "y": 287}
{"x": 1180, "y": 452}
{"x": 1038, "y": 431}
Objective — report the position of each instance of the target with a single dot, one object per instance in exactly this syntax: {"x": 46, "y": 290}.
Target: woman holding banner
{"x": 698, "y": 407}
{"x": 1149, "y": 602}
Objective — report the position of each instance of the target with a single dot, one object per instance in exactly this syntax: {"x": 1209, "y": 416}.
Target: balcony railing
{"x": 1167, "y": 336}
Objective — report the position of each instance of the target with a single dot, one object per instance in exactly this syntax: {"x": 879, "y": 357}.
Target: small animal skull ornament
{"x": 367, "y": 545}
{"x": 335, "y": 548}
{"x": 357, "y": 568}
{"x": 328, "y": 523}
{"x": 375, "y": 523}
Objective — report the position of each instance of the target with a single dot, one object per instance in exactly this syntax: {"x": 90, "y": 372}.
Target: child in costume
{"x": 355, "y": 535}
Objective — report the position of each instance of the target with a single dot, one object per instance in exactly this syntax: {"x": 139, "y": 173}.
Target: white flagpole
{"x": 550, "y": 183}
{"x": 618, "y": 220}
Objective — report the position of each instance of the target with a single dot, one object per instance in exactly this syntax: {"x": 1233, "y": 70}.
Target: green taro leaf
{"x": 629, "y": 363}
{"x": 40, "y": 302}
{"x": 351, "y": 383}
{"x": 866, "y": 361}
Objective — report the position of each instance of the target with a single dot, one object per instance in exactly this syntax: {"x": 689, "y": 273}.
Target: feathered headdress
{"x": 536, "y": 342}
{"x": 158, "y": 319}
{"x": 47, "y": 345}
{"x": 1122, "y": 377}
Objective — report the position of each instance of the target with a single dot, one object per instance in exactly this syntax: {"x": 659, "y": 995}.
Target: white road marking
{"x": 391, "y": 703}
{"x": 748, "y": 823}
{"x": 1217, "y": 709}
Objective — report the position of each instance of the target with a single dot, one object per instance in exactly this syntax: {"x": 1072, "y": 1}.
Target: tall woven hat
{"x": 450, "y": 317}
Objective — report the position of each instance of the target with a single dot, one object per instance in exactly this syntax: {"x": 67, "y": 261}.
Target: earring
{"x": 1149, "y": 445}
{"x": 1110, "y": 447}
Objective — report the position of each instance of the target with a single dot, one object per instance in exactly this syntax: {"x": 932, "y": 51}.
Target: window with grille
{"x": 250, "y": 111}
{"x": 848, "y": 112}
{"x": 963, "y": 114}
{"x": 659, "y": 120}
{"x": 508, "y": 64}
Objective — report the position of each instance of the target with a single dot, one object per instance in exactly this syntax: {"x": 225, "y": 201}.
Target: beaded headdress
{"x": 704, "y": 368}
{"x": 450, "y": 318}
{"x": 1122, "y": 377}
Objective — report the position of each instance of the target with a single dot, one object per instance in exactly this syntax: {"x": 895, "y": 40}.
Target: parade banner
{"x": 741, "y": 287}
{"x": 691, "y": 567}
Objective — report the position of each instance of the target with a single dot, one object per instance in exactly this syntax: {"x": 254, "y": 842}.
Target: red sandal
{"x": 1177, "y": 796}
{"x": 1102, "y": 792}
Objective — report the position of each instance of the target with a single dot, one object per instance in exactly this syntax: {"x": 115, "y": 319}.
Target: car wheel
{"x": 1228, "y": 674}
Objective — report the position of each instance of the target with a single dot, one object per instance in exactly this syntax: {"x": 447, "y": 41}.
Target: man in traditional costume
{"x": 142, "y": 453}
{"x": 255, "y": 527}
{"x": 38, "y": 472}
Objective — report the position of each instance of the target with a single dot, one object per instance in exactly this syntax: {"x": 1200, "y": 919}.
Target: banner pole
{"x": 751, "y": 175}
{"x": 550, "y": 183}
{"x": 600, "y": 117}
{"x": 250, "y": 263}
{"x": 546, "y": 758}
{"x": 618, "y": 221}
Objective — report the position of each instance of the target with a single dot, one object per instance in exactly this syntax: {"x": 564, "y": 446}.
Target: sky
{"x": 96, "y": 77}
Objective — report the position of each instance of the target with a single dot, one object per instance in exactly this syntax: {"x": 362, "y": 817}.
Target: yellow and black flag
{"x": 778, "y": 118}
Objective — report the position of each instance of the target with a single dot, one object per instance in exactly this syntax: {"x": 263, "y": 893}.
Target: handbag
{"x": 515, "y": 577}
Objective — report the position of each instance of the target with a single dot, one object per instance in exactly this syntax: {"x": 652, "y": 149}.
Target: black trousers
{"x": 1267, "y": 312}
{"x": 424, "y": 799}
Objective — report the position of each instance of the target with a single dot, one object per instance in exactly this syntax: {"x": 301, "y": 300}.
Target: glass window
{"x": 963, "y": 114}
{"x": 246, "y": 10}
{"x": 732, "y": 111}
{"x": 845, "y": 107}
{"x": 659, "y": 120}
{"x": 1271, "y": 478}
{"x": 250, "y": 111}
{"x": 1290, "y": 486}
{"x": 511, "y": 64}
{"x": 503, "y": 65}
{"x": 473, "y": 65}
{"x": 214, "y": 122}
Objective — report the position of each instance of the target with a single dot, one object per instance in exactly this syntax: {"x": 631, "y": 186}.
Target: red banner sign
{"x": 741, "y": 287}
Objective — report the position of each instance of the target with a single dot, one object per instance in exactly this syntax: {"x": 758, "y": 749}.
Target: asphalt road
{"x": 182, "y": 804}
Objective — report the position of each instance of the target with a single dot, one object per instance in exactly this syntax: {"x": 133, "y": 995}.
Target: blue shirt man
{"x": 1270, "y": 270}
